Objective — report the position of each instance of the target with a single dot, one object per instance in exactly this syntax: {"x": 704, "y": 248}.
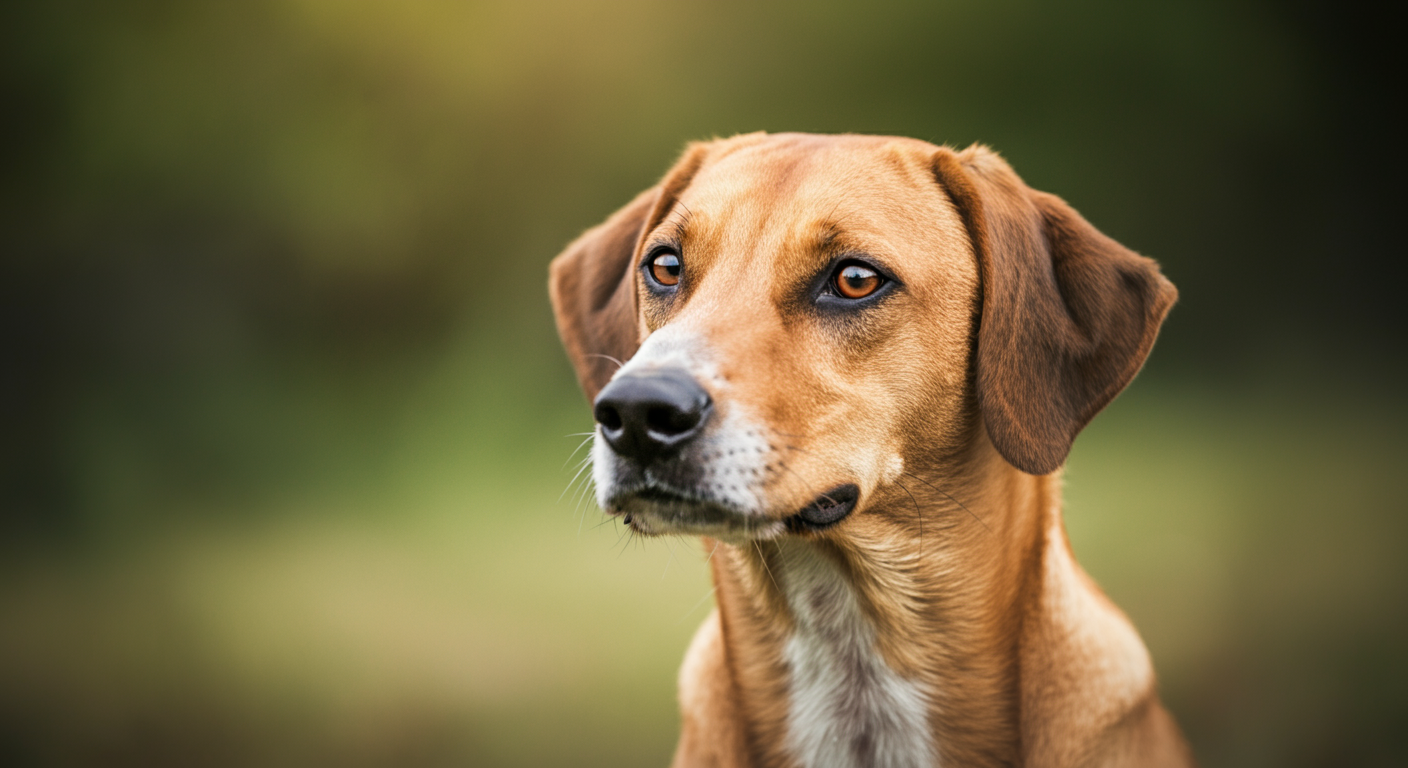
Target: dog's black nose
{"x": 648, "y": 415}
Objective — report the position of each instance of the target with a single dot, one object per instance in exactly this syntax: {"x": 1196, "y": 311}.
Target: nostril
{"x": 667, "y": 420}
{"x": 648, "y": 416}
{"x": 658, "y": 419}
{"x": 607, "y": 416}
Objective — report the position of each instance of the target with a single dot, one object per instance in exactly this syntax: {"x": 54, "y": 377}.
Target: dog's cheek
{"x": 857, "y": 442}
{"x": 885, "y": 468}
{"x": 927, "y": 390}
{"x": 655, "y": 310}
{"x": 859, "y": 339}
{"x": 848, "y": 422}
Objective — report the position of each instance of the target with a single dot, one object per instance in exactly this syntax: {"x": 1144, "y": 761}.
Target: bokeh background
{"x": 285, "y": 452}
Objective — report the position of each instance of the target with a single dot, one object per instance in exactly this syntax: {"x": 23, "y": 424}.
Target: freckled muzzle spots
{"x": 712, "y": 478}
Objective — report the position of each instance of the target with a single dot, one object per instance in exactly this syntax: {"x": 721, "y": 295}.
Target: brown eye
{"x": 665, "y": 268}
{"x": 854, "y": 281}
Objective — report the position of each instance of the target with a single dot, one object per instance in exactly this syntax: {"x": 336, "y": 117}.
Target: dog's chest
{"x": 848, "y": 708}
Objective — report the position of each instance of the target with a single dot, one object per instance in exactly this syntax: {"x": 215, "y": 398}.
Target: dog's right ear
{"x": 1068, "y": 315}
{"x": 593, "y": 282}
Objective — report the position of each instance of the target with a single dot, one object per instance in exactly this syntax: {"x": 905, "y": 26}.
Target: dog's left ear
{"x": 592, "y": 282}
{"x": 1068, "y": 314}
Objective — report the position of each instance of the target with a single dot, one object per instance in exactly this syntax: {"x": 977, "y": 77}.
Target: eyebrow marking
{"x": 680, "y": 222}
{"x": 831, "y": 239}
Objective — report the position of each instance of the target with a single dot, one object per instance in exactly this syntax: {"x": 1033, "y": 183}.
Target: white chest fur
{"x": 849, "y": 709}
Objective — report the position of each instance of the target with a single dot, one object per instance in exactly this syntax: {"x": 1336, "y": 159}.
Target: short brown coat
{"x": 1021, "y": 321}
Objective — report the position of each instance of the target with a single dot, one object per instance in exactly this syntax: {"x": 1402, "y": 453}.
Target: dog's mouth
{"x": 660, "y": 509}
{"x": 658, "y": 495}
{"x": 657, "y": 509}
{"x": 829, "y": 509}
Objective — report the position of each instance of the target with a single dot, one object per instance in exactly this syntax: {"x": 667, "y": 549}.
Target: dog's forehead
{"x": 791, "y": 179}
{"x": 781, "y": 208}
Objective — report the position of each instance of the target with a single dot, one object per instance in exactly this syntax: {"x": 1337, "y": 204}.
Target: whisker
{"x": 764, "y": 558}
{"x": 783, "y": 464}
{"x": 950, "y": 498}
{"x": 706, "y": 596}
{"x": 608, "y": 357}
{"x": 917, "y": 514}
{"x": 630, "y": 536}
{"x": 579, "y": 492}
{"x": 589, "y": 435}
{"x": 583, "y": 467}
{"x": 583, "y": 494}
{"x": 581, "y": 510}
{"x": 805, "y": 485}
{"x": 583, "y": 500}
{"x": 670, "y": 547}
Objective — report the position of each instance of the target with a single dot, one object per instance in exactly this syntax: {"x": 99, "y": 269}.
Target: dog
{"x": 855, "y": 366}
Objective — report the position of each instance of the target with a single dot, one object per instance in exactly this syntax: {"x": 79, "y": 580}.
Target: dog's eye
{"x": 856, "y": 281}
{"x": 665, "y": 268}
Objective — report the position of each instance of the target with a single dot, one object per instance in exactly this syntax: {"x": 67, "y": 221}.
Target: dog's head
{"x": 787, "y": 326}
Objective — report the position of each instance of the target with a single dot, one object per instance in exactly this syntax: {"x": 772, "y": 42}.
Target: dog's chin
{"x": 658, "y": 511}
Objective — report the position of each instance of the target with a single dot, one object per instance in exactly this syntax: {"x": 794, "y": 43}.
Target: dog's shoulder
{"x": 710, "y": 732}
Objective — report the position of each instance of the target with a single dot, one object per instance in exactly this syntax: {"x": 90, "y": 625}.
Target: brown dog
{"x": 856, "y": 365}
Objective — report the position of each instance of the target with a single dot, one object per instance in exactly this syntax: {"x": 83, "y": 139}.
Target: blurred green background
{"x": 284, "y": 421}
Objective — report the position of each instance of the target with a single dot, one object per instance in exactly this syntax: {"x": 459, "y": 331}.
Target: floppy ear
{"x": 1068, "y": 315}
{"x": 592, "y": 282}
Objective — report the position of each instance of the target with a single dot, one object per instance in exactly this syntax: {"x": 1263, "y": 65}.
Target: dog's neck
{"x": 872, "y": 649}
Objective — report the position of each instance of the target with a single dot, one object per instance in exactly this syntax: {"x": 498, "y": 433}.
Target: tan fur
{"x": 1015, "y": 324}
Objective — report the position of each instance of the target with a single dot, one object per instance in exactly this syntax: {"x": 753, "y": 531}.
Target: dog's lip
{"x": 656, "y": 493}
{"x": 660, "y": 509}
{"x": 827, "y": 510}
{"x": 661, "y": 497}
{"x": 682, "y": 512}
